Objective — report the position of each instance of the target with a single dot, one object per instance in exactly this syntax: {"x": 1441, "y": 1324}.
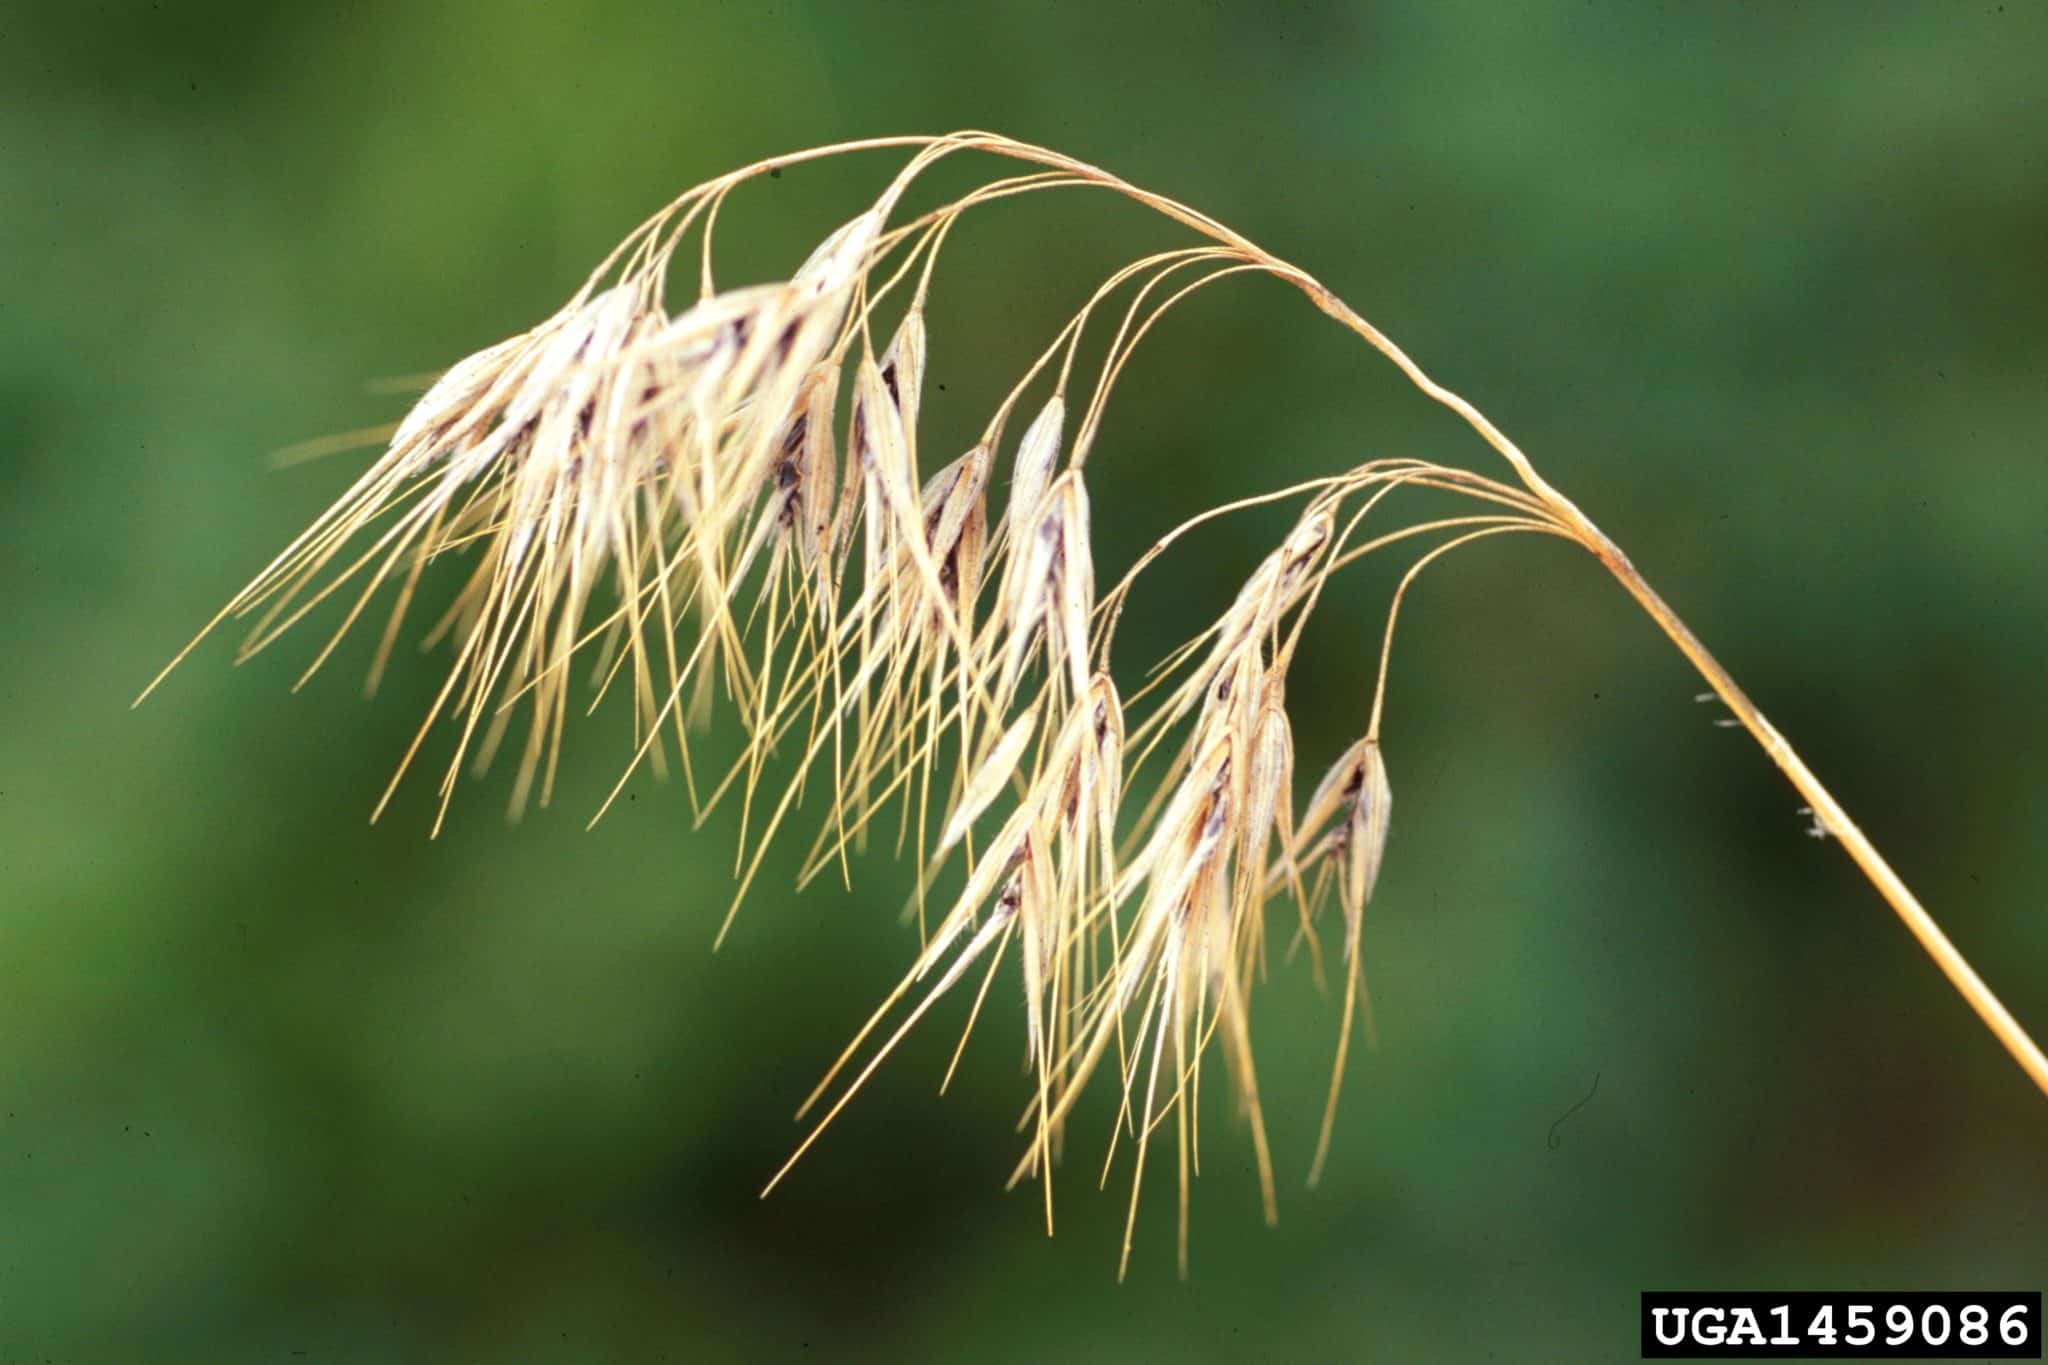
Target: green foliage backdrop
{"x": 1761, "y": 286}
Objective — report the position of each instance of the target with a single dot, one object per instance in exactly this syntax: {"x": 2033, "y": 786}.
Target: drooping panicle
{"x": 728, "y": 506}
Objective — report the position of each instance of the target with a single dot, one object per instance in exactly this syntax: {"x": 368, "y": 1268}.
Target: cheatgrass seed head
{"x": 733, "y": 496}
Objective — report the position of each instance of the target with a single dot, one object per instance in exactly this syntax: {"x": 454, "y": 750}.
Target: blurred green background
{"x": 1762, "y": 286}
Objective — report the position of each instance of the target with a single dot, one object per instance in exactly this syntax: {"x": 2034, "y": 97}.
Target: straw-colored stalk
{"x": 672, "y": 491}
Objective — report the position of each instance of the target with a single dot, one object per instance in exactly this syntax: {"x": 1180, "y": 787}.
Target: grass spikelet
{"x": 723, "y": 503}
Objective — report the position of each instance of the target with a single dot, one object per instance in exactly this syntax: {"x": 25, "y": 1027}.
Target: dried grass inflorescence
{"x": 731, "y": 499}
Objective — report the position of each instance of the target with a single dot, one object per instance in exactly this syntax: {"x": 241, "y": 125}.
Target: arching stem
{"x": 1827, "y": 812}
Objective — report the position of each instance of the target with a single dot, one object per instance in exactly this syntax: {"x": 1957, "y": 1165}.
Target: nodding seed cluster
{"x": 665, "y": 494}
